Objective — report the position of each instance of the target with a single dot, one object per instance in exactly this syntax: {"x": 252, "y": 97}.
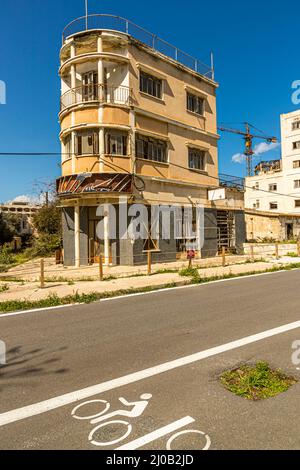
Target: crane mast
{"x": 248, "y": 138}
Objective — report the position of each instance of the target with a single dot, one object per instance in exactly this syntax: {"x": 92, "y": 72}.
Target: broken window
{"x": 195, "y": 104}
{"x": 87, "y": 142}
{"x": 150, "y": 85}
{"x": 151, "y": 149}
{"x": 67, "y": 143}
{"x": 116, "y": 143}
{"x": 197, "y": 159}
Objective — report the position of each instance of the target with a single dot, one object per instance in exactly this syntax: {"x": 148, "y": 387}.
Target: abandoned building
{"x": 138, "y": 121}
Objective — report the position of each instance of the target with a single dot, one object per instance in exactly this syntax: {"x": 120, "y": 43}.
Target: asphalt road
{"x": 159, "y": 344}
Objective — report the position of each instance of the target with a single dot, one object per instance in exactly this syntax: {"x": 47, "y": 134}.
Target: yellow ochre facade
{"x": 130, "y": 110}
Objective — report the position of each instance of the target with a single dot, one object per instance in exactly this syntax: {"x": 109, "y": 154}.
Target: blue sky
{"x": 256, "y": 47}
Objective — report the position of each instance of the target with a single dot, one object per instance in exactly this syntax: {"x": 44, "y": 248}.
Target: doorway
{"x": 289, "y": 231}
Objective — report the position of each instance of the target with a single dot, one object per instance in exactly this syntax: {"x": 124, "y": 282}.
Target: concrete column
{"x": 106, "y": 234}
{"x": 73, "y": 76}
{"x": 77, "y": 234}
{"x": 132, "y": 142}
{"x": 100, "y": 68}
{"x": 73, "y": 137}
{"x": 73, "y": 50}
{"x": 101, "y": 149}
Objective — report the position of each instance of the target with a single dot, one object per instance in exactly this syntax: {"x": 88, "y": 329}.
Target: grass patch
{"x": 292, "y": 255}
{"x": 54, "y": 301}
{"x": 256, "y": 382}
{"x": 4, "y": 288}
{"x": 191, "y": 272}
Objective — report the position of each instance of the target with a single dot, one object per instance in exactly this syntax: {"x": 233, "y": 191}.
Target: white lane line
{"x": 158, "y": 291}
{"x": 72, "y": 397}
{"x": 153, "y": 436}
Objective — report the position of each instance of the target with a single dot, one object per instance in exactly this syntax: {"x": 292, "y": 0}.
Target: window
{"x": 273, "y": 205}
{"x": 296, "y": 145}
{"x": 90, "y": 86}
{"x": 296, "y": 184}
{"x": 151, "y": 149}
{"x": 195, "y": 104}
{"x": 197, "y": 159}
{"x": 296, "y": 164}
{"x": 87, "y": 142}
{"x": 295, "y": 125}
{"x": 297, "y": 203}
{"x": 116, "y": 143}
{"x": 67, "y": 142}
{"x": 256, "y": 186}
{"x": 257, "y": 204}
{"x": 150, "y": 85}
{"x": 273, "y": 187}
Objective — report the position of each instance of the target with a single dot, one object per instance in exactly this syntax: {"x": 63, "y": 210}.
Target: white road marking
{"x": 189, "y": 431}
{"x": 158, "y": 291}
{"x": 153, "y": 436}
{"x": 72, "y": 397}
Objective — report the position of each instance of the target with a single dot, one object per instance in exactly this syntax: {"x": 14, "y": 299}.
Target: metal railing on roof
{"x": 117, "y": 23}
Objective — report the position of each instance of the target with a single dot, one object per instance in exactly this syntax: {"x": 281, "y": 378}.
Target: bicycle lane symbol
{"x": 137, "y": 409}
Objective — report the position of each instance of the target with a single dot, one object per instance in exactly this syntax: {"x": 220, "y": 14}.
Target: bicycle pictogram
{"x": 105, "y": 419}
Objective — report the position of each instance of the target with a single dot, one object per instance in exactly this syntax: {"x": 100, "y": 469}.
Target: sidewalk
{"x": 32, "y": 291}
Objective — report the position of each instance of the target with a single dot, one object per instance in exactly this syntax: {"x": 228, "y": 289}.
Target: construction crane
{"x": 248, "y": 137}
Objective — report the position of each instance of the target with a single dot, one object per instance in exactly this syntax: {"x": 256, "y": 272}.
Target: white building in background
{"x": 276, "y": 185}
{"x": 25, "y": 211}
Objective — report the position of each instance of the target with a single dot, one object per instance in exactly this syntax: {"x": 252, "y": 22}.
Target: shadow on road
{"x": 26, "y": 364}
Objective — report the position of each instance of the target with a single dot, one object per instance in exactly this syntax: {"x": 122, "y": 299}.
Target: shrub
{"x": 6, "y": 256}
{"x": 45, "y": 245}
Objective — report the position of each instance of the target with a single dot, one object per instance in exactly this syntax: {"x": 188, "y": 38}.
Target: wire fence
{"x": 146, "y": 263}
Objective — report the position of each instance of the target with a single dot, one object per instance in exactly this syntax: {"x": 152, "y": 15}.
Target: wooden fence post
{"x": 42, "y": 276}
{"x": 100, "y": 267}
{"x": 252, "y": 253}
{"x": 149, "y": 262}
{"x": 223, "y": 256}
{"x": 277, "y": 250}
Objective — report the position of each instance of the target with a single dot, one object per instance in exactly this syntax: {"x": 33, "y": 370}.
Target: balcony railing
{"x": 116, "y": 23}
{"x": 96, "y": 93}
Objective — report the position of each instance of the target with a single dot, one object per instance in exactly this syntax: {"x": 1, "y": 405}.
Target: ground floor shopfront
{"x": 97, "y": 221}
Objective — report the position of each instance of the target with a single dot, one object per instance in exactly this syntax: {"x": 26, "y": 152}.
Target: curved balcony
{"x": 117, "y": 23}
{"x": 89, "y": 94}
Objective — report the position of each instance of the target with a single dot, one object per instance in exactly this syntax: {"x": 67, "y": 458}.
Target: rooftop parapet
{"x": 119, "y": 24}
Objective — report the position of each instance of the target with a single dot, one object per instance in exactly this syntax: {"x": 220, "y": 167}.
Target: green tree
{"x": 48, "y": 220}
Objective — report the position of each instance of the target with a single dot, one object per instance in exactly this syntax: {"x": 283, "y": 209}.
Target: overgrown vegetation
{"x": 256, "y": 382}
{"x": 191, "y": 272}
{"x": 54, "y": 300}
{"x": 4, "y": 288}
{"x": 47, "y": 222}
